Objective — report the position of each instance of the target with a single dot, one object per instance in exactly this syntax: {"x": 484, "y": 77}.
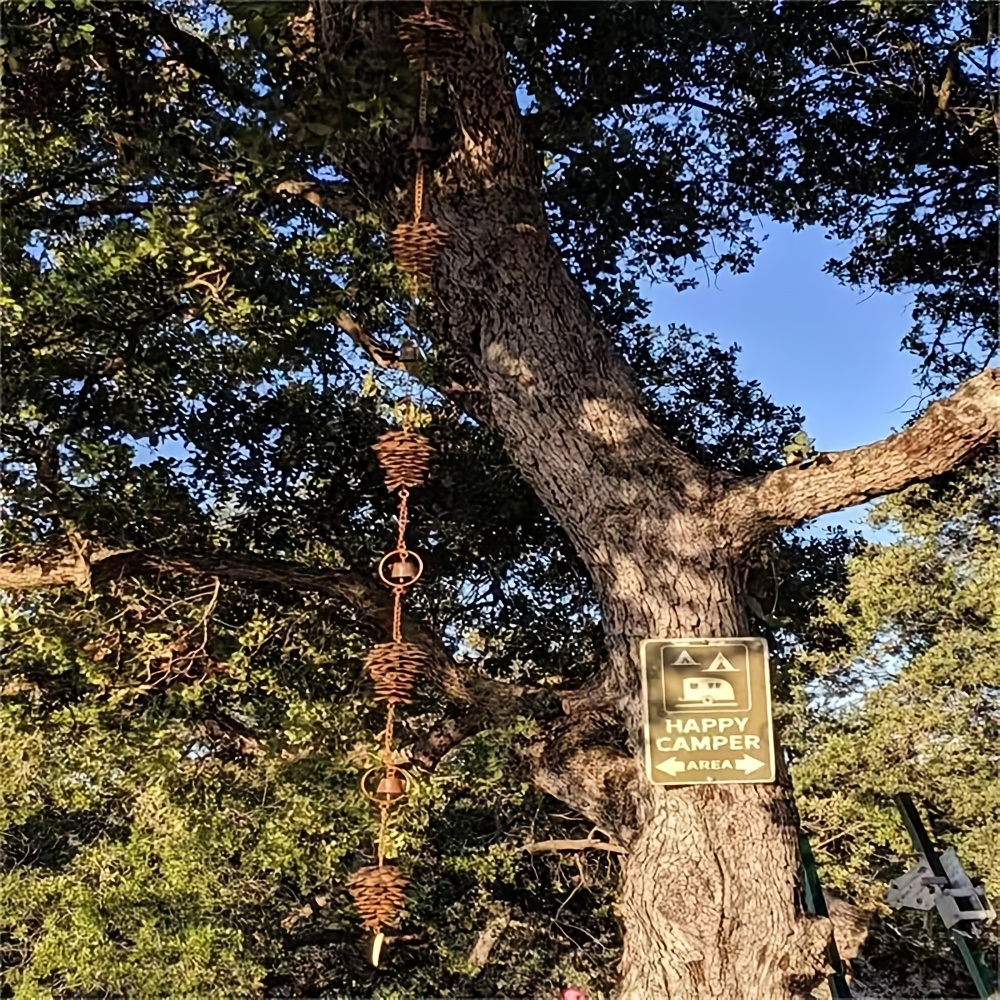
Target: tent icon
{"x": 721, "y": 664}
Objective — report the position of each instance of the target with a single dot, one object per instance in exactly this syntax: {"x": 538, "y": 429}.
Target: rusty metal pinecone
{"x": 405, "y": 457}
{"x": 433, "y": 39}
{"x": 415, "y": 247}
{"x": 395, "y": 668}
{"x": 379, "y": 894}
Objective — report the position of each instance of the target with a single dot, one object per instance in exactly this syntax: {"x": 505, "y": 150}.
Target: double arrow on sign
{"x": 673, "y": 766}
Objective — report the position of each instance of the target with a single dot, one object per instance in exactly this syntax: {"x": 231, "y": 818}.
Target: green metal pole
{"x": 816, "y": 904}
{"x": 971, "y": 955}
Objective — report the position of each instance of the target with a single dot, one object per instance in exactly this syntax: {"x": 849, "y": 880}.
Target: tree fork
{"x": 709, "y": 901}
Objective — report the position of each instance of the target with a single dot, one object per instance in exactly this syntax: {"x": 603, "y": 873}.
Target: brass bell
{"x": 391, "y": 787}
{"x": 421, "y": 143}
{"x": 400, "y": 568}
{"x": 404, "y": 569}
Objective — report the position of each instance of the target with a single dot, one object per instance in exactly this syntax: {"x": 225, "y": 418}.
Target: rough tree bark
{"x": 709, "y": 900}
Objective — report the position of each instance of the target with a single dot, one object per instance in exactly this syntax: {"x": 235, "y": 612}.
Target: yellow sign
{"x": 708, "y": 711}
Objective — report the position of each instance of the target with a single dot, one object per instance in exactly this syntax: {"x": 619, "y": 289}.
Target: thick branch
{"x": 572, "y": 763}
{"x": 444, "y": 736}
{"x": 371, "y": 601}
{"x": 569, "y": 762}
{"x": 195, "y": 54}
{"x": 481, "y": 701}
{"x": 950, "y": 430}
{"x": 63, "y": 570}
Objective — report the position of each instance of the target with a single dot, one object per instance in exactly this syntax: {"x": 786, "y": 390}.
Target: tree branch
{"x": 338, "y": 197}
{"x": 481, "y": 701}
{"x": 949, "y": 431}
{"x": 573, "y": 763}
{"x": 195, "y": 54}
{"x": 68, "y": 569}
{"x": 469, "y": 399}
{"x": 91, "y": 566}
{"x": 554, "y": 846}
{"x": 444, "y": 736}
{"x": 596, "y": 105}
{"x": 83, "y": 171}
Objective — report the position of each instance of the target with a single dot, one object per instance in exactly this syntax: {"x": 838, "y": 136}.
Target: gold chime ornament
{"x": 379, "y": 893}
{"x": 405, "y": 457}
{"x": 415, "y": 246}
{"x": 395, "y": 667}
{"x": 433, "y": 39}
{"x": 393, "y": 785}
{"x": 428, "y": 38}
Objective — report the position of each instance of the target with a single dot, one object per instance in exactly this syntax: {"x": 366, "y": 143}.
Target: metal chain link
{"x": 418, "y": 193}
{"x": 386, "y": 757}
{"x": 418, "y": 180}
{"x": 383, "y": 829}
{"x": 397, "y": 613}
{"x": 390, "y": 721}
{"x": 403, "y": 518}
{"x": 424, "y": 98}
{"x": 385, "y": 754}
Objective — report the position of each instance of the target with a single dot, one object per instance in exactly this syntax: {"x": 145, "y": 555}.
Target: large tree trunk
{"x": 709, "y": 902}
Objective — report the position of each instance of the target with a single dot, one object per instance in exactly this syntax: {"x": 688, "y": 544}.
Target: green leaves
{"x": 181, "y": 848}
{"x": 179, "y": 760}
{"x": 798, "y": 447}
{"x": 906, "y": 698}
{"x": 812, "y": 113}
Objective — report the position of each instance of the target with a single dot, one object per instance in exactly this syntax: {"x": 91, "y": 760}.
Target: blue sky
{"x": 832, "y": 350}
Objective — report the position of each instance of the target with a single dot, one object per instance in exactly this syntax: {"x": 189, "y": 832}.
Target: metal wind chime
{"x": 379, "y": 890}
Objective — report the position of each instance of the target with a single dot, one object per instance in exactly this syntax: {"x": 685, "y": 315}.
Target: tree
{"x": 910, "y": 699}
{"x": 204, "y": 190}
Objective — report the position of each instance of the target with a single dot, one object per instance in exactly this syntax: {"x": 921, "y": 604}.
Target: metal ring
{"x": 396, "y": 555}
{"x": 385, "y": 799}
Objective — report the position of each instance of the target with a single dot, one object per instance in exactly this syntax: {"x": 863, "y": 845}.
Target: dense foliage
{"x": 179, "y": 755}
{"x": 908, "y": 694}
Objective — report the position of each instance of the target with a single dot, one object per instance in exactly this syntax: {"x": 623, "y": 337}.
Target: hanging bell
{"x": 400, "y": 568}
{"x": 421, "y": 144}
{"x": 404, "y": 569}
{"x": 408, "y": 351}
{"x": 390, "y": 787}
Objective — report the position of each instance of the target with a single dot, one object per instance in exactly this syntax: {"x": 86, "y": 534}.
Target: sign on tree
{"x": 708, "y": 711}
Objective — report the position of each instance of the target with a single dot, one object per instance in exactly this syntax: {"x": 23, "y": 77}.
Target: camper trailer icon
{"x": 702, "y": 691}
{"x": 706, "y": 678}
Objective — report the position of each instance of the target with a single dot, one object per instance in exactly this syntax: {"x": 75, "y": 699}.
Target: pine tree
{"x": 906, "y": 700}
